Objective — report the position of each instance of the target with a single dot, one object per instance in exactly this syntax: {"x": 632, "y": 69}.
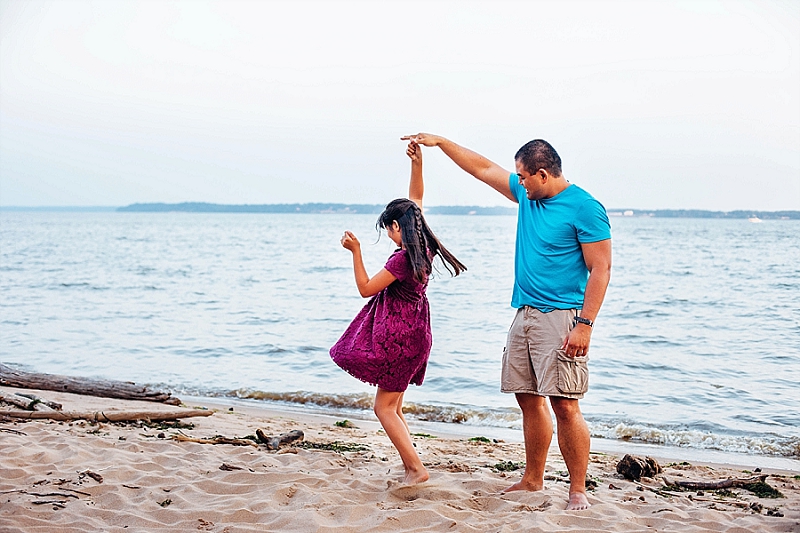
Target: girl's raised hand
{"x": 350, "y": 242}
{"x": 413, "y": 151}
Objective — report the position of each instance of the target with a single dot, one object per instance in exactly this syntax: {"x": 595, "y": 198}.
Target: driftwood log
{"x": 216, "y": 440}
{"x": 714, "y": 485}
{"x": 90, "y": 387}
{"x": 273, "y": 443}
{"x": 36, "y": 401}
{"x": 107, "y": 416}
{"x": 28, "y": 401}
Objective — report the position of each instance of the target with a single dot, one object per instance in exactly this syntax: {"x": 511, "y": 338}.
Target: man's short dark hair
{"x": 539, "y": 154}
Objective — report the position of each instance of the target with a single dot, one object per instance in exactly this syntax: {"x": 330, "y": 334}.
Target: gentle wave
{"x": 451, "y": 414}
{"x": 770, "y": 444}
{"x": 692, "y": 438}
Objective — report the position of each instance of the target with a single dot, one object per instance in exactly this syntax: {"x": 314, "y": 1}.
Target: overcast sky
{"x": 651, "y": 104}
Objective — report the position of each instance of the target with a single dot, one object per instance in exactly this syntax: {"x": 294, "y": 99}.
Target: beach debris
{"x": 219, "y": 439}
{"x": 274, "y": 443}
{"x": 508, "y": 466}
{"x": 162, "y": 425}
{"x": 641, "y": 487}
{"x": 108, "y": 416}
{"x": 165, "y": 503}
{"x": 205, "y": 525}
{"x": 36, "y": 400}
{"x": 46, "y": 494}
{"x": 228, "y": 468}
{"x": 634, "y": 468}
{"x": 125, "y": 390}
{"x": 61, "y": 496}
{"x": 763, "y": 490}
{"x": 29, "y": 402}
{"x": 483, "y": 440}
{"x": 335, "y": 446}
{"x": 73, "y": 490}
{"x": 57, "y": 504}
{"x": 756, "y": 484}
{"x": 88, "y": 473}
{"x": 345, "y": 424}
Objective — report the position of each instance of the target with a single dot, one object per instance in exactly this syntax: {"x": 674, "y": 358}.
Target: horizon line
{"x": 344, "y": 205}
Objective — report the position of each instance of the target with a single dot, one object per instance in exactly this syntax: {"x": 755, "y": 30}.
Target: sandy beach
{"x": 81, "y": 476}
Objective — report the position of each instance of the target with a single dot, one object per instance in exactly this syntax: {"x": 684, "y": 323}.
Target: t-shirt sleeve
{"x": 516, "y": 189}
{"x": 398, "y": 265}
{"x": 592, "y": 223}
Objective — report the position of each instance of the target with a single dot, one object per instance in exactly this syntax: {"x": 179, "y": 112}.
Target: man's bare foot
{"x": 524, "y": 485}
{"x": 412, "y": 478}
{"x": 578, "y": 502}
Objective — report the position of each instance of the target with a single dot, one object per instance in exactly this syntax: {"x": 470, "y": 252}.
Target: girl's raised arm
{"x": 416, "y": 188}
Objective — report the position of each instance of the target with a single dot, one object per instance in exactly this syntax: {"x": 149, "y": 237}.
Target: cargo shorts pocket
{"x": 573, "y": 374}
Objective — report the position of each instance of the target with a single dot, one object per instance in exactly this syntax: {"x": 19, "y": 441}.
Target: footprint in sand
{"x": 426, "y": 491}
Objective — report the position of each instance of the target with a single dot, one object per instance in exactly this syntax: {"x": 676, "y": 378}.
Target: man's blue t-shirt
{"x": 549, "y": 270}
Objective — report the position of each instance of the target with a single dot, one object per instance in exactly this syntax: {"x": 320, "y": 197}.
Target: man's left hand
{"x": 577, "y": 342}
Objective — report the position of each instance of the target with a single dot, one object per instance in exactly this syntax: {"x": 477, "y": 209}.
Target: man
{"x": 562, "y": 268}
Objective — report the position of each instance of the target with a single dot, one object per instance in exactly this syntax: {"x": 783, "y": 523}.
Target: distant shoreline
{"x": 334, "y": 208}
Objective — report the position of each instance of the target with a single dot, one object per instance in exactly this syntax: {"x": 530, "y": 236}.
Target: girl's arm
{"x": 366, "y": 286}
{"x": 416, "y": 188}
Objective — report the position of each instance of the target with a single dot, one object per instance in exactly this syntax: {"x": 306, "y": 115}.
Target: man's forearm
{"x": 595, "y": 292}
{"x": 471, "y": 162}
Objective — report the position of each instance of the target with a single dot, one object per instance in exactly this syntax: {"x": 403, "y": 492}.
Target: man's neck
{"x": 557, "y": 186}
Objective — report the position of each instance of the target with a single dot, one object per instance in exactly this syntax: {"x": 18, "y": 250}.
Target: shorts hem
{"x": 508, "y": 391}
{"x": 545, "y": 394}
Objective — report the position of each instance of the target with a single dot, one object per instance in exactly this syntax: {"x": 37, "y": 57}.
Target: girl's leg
{"x": 400, "y": 411}
{"x": 386, "y": 409}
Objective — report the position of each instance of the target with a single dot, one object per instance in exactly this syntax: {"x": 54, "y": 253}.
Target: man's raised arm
{"x": 473, "y": 163}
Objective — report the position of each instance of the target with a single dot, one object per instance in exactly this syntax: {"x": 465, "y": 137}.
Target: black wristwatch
{"x": 581, "y": 320}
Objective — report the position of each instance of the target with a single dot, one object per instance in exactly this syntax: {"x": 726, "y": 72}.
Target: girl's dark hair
{"x": 420, "y": 243}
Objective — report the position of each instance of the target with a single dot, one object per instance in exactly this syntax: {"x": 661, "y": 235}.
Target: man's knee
{"x": 565, "y": 408}
{"x": 530, "y": 402}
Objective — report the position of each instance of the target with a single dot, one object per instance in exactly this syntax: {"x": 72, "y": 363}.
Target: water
{"x": 697, "y": 344}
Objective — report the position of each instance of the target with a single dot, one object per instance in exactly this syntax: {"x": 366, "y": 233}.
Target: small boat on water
{"x": 754, "y": 219}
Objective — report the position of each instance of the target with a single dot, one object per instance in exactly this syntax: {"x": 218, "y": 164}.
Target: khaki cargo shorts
{"x": 533, "y": 361}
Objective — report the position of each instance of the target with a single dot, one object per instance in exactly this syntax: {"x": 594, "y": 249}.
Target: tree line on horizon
{"x": 330, "y": 208}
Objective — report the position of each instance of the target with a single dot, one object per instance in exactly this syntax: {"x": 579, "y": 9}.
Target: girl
{"x": 388, "y": 342}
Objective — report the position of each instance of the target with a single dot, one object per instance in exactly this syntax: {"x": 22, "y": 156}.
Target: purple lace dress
{"x": 389, "y": 341}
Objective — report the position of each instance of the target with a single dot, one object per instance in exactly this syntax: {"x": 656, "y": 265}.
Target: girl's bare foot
{"x": 578, "y": 502}
{"x": 414, "y": 477}
{"x": 524, "y": 485}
